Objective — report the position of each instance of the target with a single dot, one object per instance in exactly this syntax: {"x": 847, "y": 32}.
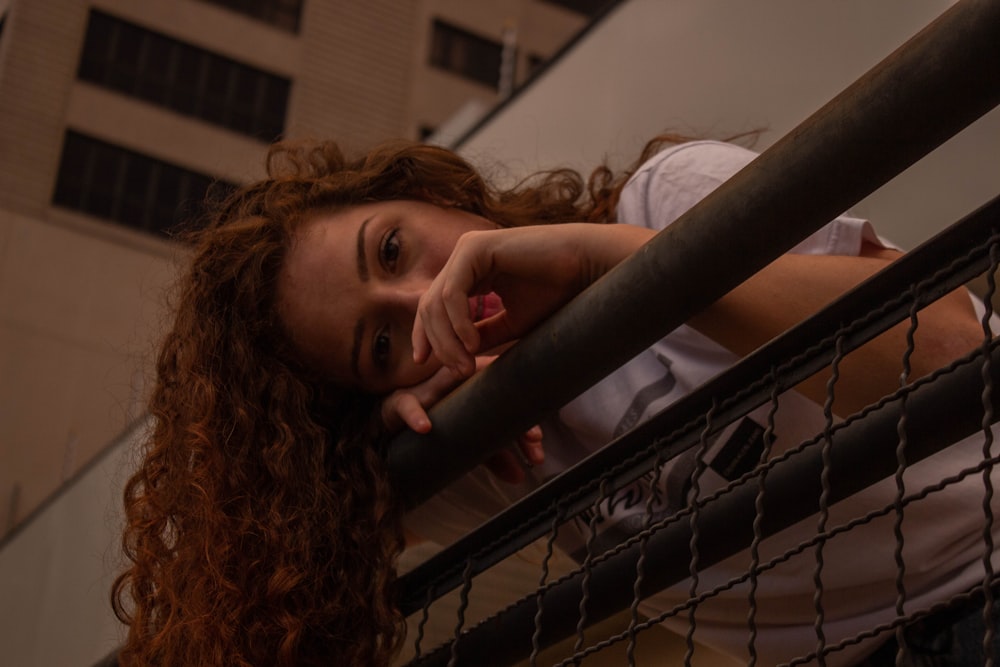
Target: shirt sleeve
{"x": 674, "y": 180}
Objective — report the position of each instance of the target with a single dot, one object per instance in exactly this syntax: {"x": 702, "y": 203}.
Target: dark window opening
{"x": 535, "y": 63}
{"x": 589, "y": 8}
{"x": 184, "y": 78}
{"x": 284, "y": 14}
{"x": 463, "y": 53}
{"x": 138, "y": 191}
{"x": 426, "y": 131}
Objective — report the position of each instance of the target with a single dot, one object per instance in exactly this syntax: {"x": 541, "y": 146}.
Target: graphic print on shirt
{"x": 623, "y": 513}
{"x": 645, "y": 397}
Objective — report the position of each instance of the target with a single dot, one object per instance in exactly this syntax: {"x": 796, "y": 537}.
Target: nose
{"x": 404, "y": 295}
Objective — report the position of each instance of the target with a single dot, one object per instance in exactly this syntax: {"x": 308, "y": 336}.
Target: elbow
{"x": 951, "y": 332}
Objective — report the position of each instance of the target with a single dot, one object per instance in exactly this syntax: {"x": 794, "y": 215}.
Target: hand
{"x": 506, "y": 464}
{"x": 534, "y": 270}
{"x": 408, "y": 407}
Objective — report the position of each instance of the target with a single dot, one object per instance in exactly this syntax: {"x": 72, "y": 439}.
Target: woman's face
{"x": 349, "y": 288}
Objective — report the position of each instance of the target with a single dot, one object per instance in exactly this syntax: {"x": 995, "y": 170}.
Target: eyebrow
{"x": 362, "y": 259}
{"x": 359, "y": 330}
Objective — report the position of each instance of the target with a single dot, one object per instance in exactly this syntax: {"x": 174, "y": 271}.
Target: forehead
{"x": 318, "y": 281}
{"x": 321, "y": 242}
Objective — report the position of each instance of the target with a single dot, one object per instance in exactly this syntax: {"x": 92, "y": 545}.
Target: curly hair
{"x": 260, "y": 526}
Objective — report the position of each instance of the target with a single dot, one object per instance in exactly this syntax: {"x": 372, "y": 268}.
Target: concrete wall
{"x": 80, "y": 304}
{"x": 714, "y": 68}
{"x": 56, "y": 571}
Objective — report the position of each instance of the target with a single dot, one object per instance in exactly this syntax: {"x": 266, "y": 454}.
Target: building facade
{"x": 117, "y": 116}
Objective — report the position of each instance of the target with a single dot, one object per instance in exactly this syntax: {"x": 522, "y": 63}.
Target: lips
{"x": 484, "y": 306}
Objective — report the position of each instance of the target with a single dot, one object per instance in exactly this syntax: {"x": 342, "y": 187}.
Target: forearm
{"x": 796, "y": 286}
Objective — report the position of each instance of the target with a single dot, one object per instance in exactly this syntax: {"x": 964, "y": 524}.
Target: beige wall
{"x": 56, "y": 572}
{"x": 354, "y": 77}
{"x": 78, "y": 311}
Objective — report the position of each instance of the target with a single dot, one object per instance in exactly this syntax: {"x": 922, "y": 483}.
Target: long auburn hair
{"x": 260, "y": 526}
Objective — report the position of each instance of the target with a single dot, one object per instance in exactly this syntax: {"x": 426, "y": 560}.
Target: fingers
{"x": 444, "y": 324}
{"x": 495, "y": 331}
{"x": 434, "y": 331}
{"x": 530, "y": 443}
{"x": 402, "y": 408}
{"x": 446, "y": 328}
{"x": 418, "y": 341}
{"x": 508, "y": 466}
{"x": 408, "y": 406}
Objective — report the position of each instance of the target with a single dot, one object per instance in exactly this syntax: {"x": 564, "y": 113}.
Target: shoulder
{"x": 675, "y": 179}
{"x": 706, "y": 159}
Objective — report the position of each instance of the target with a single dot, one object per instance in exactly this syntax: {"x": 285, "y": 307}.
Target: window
{"x": 425, "y": 131}
{"x": 465, "y": 54}
{"x": 586, "y": 7}
{"x": 187, "y": 79}
{"x": 117, "y": 184}
{"x": 535, "y": 63}
{"x": 284, "y": 14}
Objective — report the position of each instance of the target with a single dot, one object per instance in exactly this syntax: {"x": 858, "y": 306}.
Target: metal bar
{"x": 740, "y": 390}
{"x": 863, "y": 452}
{"x": 857, "y": 142}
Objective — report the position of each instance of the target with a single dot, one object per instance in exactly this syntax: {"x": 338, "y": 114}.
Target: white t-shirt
{"x": 943, "y": 536}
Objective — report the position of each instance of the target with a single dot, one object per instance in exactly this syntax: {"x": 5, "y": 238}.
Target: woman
{"x": 334, "y": 302}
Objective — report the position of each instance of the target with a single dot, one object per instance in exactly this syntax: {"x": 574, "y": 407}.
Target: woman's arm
{"x": 794, "y": 287}
{"x": 537, "y": 269}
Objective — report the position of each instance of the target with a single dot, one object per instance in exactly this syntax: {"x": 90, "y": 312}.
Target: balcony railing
{"x": 928, "y": 90}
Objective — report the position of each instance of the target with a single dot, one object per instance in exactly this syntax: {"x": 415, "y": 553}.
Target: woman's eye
{"x": 389, "y": 252}
{"x": 381, "y": 348}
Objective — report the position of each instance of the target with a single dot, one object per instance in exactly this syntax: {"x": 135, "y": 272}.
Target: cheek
{"x": 318, "y": 340}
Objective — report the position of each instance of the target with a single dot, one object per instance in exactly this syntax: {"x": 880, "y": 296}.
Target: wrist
{"x": 604, "y": 246}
